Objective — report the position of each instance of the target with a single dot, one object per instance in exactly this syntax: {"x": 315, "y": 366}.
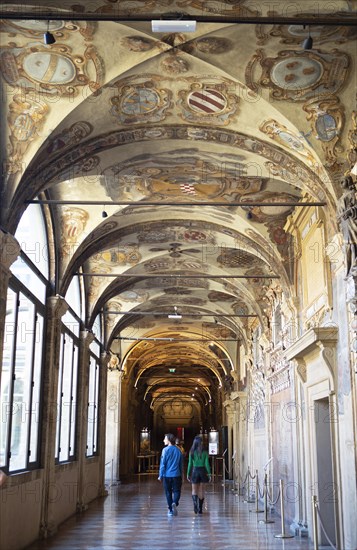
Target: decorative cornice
{"x": 310, "y": 340}
{"x": 318, "y": 339}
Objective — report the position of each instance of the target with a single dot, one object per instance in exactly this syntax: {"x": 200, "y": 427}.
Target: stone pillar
{"x": 9, "y": 251}
{"x": 55, "y": 309}
{"x": 230, "y": 407}
{"x": 102, "y": 412}
{"x": 86, "y": 338}
{"x": 114, "y": 422}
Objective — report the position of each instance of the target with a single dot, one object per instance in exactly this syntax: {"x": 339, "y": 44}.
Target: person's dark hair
{"x": 171, "y": 438}
{"x": 197, "y": 446}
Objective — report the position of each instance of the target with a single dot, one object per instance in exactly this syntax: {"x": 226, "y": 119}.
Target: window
{"x": 32, "y": 237}
{"x": 93, "y": 399}
{"x": 20, "y": 388}
{"x": 67, "y": 396}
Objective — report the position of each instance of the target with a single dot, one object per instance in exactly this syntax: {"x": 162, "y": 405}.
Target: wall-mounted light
{"x": 174, "y": 315}
{"x": 179, "y": 25}
{"x": 308, "y": 42}
{"x": 48, "y": 37}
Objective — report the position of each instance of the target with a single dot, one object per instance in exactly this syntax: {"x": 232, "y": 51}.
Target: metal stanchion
{"x": 282, "y": 535}
{"x": 248, "y": 499}
{"x": 257, "y": 511}
{"x": 266, "y": 520}
{"x": 314, "y": 522}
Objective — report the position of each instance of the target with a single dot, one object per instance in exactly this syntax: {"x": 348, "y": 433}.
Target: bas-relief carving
{"x": 347, "y": 217}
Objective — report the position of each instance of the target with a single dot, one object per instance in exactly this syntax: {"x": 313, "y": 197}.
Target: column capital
{"x": 87, "y": 337}
{"x": 58, "y": 306}
{"x": 9, "y": 249}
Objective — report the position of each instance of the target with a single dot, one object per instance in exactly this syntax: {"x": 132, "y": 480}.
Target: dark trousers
{"x": 172, "y": 486}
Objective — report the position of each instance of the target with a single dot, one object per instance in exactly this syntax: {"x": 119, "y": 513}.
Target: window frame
{"x": 96, "y": 406}
{"x": 73, "y": 412}
{"x": 17, "y": 287}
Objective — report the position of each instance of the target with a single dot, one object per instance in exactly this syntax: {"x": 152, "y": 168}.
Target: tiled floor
{"x": 134, "y": 516}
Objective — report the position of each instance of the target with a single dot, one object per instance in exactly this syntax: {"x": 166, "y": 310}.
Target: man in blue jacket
{"x": 171, "y": 468}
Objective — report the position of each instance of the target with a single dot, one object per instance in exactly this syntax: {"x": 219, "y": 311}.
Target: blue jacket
{"x": 171, "y": 463}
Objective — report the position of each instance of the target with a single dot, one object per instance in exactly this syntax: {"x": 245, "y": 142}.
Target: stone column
{"x": 55, "y": 309}
{"x": 9, "y": 251}
{"x": 86, "y": 338}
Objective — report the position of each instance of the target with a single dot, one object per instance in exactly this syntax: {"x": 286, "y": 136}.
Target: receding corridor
{"x": 133, "y": 516}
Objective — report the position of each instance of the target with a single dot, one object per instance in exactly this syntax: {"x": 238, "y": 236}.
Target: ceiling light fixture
{"x": 308, "y": 42}
{"x": 48, "y": 37}
{"x": 179, "y": 25}
{"x": 104, "y": 213}
{"x": 174, "y": 315}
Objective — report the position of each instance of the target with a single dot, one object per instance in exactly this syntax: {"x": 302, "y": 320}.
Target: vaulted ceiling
{"x": 168, "y": 163}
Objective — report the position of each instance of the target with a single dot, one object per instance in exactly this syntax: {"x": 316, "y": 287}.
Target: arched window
{"x": 21, "y": 375}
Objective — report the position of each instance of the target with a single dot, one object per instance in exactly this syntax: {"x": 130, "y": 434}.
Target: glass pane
{"x": 95, "y": 348}
{"x": 66, "y": 398}
{"x": 95, "y": 426}
{"x": 29, "y": 278}
{"x": 22, "y": 384}
{"x": 71, "y": 322}
{"x": 73, "y": 296}
{"x": 91, "y": 411}
{"x": 31, "y": 235}
{"x": 5, "y": 385}
{"x": 36, "y": 387}
{"x": 74, "y": 403}
{"x": 97, "y": 328}
{"x": 59, "y": 393}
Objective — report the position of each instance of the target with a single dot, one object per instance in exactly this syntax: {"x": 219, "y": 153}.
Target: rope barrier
{"x": 266, "y": 520}
{"x": 271, "y": 501}
{"x": 323, "y": 528}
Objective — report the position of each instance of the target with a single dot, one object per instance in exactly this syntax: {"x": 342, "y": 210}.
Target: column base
{"x": 299, "y": 530}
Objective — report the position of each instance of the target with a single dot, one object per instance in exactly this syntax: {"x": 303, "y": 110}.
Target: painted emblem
{"x": 300, "y": 75}
{"x": 56, "y": 71}
{"x": 208, "y": 103}
{"x": 133, "y": 104}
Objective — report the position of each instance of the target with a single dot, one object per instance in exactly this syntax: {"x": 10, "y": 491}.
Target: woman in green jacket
{"x": 198, "y": 463}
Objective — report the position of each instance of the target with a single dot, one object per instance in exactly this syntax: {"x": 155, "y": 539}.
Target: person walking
{"x": 170, "y": 472}
{"x": 198, "y": 463}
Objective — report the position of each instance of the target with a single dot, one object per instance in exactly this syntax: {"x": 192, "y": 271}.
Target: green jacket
{"x": 198, "y": 461}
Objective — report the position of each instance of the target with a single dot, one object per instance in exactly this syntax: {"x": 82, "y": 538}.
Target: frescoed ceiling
{"x": 169, "y": 162}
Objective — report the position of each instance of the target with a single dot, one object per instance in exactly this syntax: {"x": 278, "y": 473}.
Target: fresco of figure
{"x": 347, "y": 216}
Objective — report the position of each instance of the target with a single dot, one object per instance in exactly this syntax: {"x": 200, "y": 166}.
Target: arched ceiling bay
{"x": 169, "y": 164}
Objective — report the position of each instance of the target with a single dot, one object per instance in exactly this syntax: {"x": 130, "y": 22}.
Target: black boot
{"x": 200, "y": 500}
{"x": 195, "y": 503}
